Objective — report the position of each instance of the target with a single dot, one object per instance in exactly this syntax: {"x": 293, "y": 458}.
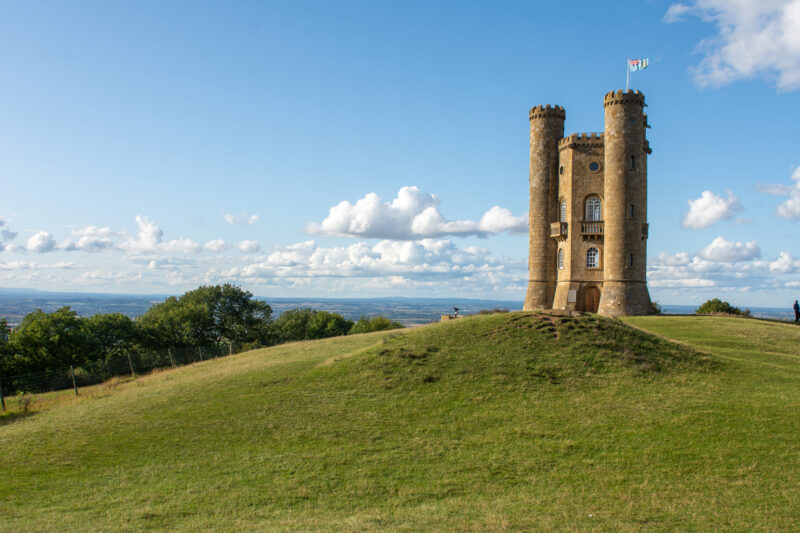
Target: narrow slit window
{"x": 630, "y": 260}
{"x": 633, "y": 162}
{"x": 563, "y": 210}
{"x": 561, "y": 259}
{"x": 632, "y": 211}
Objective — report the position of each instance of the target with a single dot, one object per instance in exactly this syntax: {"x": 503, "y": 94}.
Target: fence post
{"x": 230, "y": 348}
{"x": 200, "y": 351}
{"x": 171, "y": 360}
{"x": 130, "y": 363}
{"x": 74, "y": 383}
{"x": 2, "y": 397}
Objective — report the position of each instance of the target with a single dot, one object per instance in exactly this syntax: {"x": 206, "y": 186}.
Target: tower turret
{"x": 625, "y": 206}
{"x": 547, "y": 128}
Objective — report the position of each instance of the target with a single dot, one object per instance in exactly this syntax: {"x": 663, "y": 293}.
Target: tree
{"x": 324, "y": 324}
{"x": 46, "y": 341}
{"x": 235, "y": 315}
{"x": 206, "y": 316}
{"x": 376, "y": 323}
{"x": 718, "y": 306}
{"x": 173, "y": 324}
{"x": 305, "y": 324}
{"x": 110, "y": 334}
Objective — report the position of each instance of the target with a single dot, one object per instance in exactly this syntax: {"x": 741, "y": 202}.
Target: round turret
{"x": 625, "y": 206}
{"x": 547, "y": 128}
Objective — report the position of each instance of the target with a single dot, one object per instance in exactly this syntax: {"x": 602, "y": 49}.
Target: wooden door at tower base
{"x": 591, "y": 299}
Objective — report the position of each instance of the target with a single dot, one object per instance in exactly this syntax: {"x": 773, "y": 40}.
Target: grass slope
{"x": 507, "y": 421}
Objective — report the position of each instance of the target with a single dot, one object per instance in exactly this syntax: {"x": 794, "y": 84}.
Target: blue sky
{"x": 371, "y": 149}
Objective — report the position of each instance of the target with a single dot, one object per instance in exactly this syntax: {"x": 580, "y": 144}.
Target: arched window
{"x": 563, "y": 210}
{"x": 592, "y": 258}
{"x": 561, "y": 259}
{"x": 593, "y": 209}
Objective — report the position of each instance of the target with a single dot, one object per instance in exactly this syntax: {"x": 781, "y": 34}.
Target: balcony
{"x": 592, "y": 229}
{"x": 558, "y": 230}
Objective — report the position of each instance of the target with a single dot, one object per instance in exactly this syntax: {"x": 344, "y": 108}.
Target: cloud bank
{"x": 412, "y": 215}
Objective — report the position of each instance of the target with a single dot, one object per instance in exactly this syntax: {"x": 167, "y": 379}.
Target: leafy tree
{"x": 291, "y": 325}
{"x": 324, "y": 324}
{"x": 49, "y": 340}
{"x": 376, "y": 323}
{"x": 175, "y": 324}
{"x": 305, "y": 323}
{"x": 110, "y": 334}
{"x": 235, "y": 315}
{"x": 718, "y": 306}
{"x": 208, "y": 315}
{"x": 5, "y": 349}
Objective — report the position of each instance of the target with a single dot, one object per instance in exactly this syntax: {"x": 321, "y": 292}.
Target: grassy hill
{"x": 497, "y": 422}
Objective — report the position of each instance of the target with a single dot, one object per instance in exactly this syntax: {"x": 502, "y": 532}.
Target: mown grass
{"x": 499, "y": 422}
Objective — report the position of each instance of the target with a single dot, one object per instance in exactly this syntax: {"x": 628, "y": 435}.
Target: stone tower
{"x": 588, "y": 211}
{"x": 547, "y": 128}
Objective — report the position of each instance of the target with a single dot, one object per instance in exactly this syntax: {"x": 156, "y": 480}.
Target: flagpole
{"x": 627, "y": 73}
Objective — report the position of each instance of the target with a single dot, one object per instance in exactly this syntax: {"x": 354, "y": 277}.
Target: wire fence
{"x": 121, "y": 364}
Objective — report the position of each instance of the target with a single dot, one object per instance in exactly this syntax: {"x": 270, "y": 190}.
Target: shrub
{"x": 376, "y": 323}
{"x": 718, "y": 306}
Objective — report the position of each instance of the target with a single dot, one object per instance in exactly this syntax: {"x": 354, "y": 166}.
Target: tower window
{"x": 593, "y": 211}
{"x": 631, "y": 211}
{"x": 594, "y": 166}
{"x": 561, "y": 169}
{"x": 630, "y": 260}
{"x": 563, "y": 214}
{"x": 633, "y": 163}
{"x": 592, "y": 258}
{"x": 561, "y": 259}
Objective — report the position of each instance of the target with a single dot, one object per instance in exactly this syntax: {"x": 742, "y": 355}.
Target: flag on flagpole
{"x": 637, "y": 64}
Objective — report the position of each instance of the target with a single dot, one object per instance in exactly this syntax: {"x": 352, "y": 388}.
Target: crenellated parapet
{"x": 624, "y": 97}
{"x": 547, "y": 111}
{"x": 593, "y": 139}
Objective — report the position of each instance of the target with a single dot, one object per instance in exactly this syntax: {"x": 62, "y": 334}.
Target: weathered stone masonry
{"x": 588, "y": 211}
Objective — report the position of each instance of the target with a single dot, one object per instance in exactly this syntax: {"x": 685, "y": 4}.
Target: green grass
{"x": 501, "y": 422}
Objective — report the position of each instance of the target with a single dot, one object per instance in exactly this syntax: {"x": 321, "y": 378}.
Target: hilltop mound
{"x": 523, "y": 349}
{"x": 507, "y": 421}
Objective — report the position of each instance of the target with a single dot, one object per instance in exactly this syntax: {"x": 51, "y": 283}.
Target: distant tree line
{"x": 207, "y": 317}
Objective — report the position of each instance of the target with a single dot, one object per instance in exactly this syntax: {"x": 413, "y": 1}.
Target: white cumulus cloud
{"x": 41, "y": 242}
{"x": 722, "y": 250}
{"x": 249, "y": 247}
{"x": 709, "y": 209}
{"x": 789, "y": 209}
{"x": 754, "y": 38}
{"x": 411, "y": 216}
{"x": 216, "y": 246}
{"x": 784, "y": 264}
{"x": 148, "y": 240}
{"x": 96, "y": 231}
{"x": 6, "y": 235}
{"x": 244, "y": 218}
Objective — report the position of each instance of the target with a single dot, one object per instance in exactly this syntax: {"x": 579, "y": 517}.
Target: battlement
{"x": 583, "y": 139}
{"x": 623, "y": 97}
{"x": 548, "y": 111}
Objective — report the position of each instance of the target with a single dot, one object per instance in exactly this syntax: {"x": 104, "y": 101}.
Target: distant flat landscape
{"x": 16, "y": 303}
